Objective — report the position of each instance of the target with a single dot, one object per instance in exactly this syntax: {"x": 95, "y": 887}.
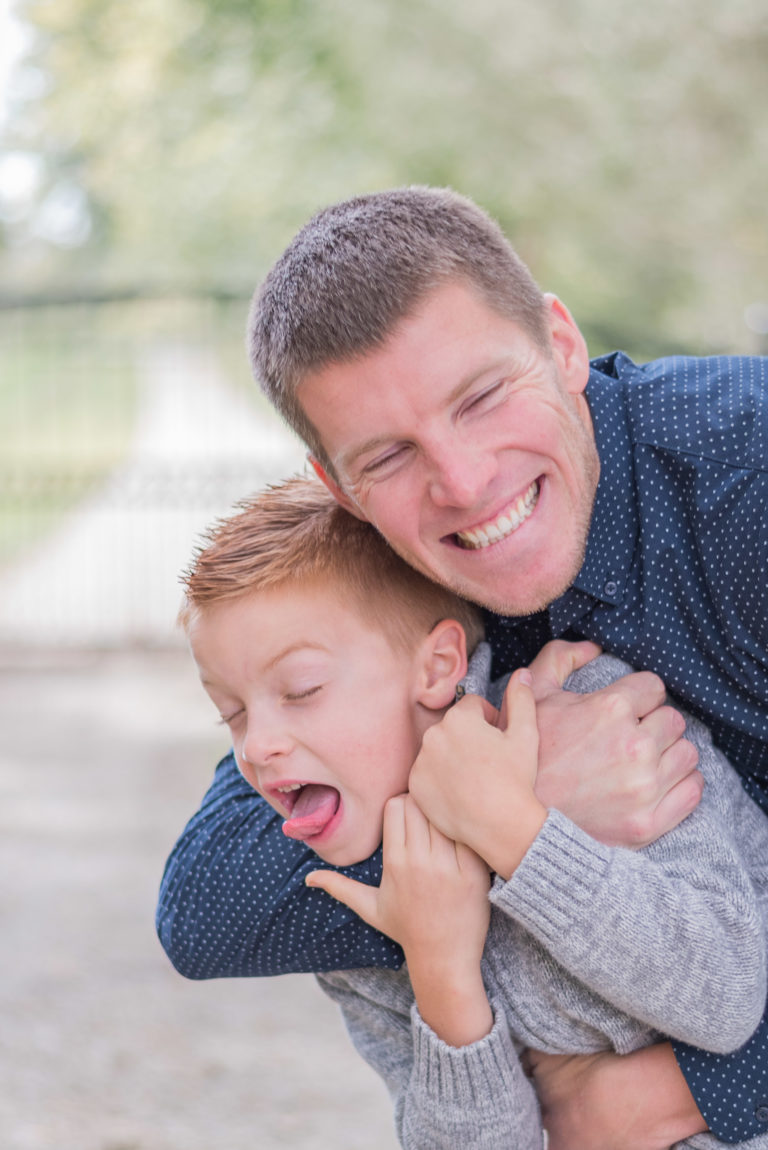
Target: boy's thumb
{"x": 358, "y": 896}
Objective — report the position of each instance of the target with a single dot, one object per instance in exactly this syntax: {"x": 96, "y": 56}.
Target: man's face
{"x": 468, "y": 447}
{"x": 323, "y": 711}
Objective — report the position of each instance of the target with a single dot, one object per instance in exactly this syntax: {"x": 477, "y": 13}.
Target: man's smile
{"x": 504, "y": 524}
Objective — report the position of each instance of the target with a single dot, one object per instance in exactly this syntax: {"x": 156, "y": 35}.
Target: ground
{"x": 103, "y": 755}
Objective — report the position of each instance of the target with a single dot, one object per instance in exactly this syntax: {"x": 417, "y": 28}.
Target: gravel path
{"x": 103, "y": 1046}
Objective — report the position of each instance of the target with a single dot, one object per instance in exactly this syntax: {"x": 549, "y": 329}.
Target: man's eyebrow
{"x": 471, "y": 378}
{"x": 353, "y": 453}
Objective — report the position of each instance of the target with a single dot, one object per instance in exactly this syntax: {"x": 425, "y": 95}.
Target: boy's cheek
{"x": 246, "y": 770}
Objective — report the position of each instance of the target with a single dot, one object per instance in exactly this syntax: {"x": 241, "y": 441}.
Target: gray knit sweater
{"x": 589, "y": 948}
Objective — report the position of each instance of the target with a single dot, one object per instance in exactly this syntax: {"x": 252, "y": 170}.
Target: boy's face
{"x": 323, "y": 711}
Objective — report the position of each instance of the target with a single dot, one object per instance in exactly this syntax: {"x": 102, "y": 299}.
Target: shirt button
{"x": 761, "y": 1114}
{"x": 611, "y": 588}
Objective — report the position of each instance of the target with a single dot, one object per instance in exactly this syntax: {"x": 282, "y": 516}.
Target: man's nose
{"x": 459, "y": 473}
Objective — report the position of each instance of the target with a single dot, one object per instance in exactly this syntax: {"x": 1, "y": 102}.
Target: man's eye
{"x": 382, "y": 462}
{"x": 487, "y": 398}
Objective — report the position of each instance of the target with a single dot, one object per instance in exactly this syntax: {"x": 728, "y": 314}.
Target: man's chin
{"x": 519, "y": 600}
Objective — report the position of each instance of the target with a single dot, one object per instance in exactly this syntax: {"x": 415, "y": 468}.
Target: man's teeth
{"x": 504, "y": 525}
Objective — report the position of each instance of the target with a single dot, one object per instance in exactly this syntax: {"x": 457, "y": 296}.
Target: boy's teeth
{"x": 504, "y": 525}
{"x": 289, "y": 787}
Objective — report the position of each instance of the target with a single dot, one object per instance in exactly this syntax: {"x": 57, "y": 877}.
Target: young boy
{"x": 330, "y": 659}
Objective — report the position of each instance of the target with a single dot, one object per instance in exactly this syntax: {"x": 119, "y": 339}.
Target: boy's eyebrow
{"x": 348, "y": 457}
{"x": 299, "y": 645}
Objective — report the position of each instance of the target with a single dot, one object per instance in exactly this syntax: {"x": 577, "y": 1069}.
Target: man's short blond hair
{"x": 295, "y": 532}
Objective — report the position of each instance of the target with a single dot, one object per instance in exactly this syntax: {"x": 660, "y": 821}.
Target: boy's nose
{"x": 262, "y": 744}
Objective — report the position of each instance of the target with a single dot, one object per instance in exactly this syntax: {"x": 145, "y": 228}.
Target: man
{"x": 449, "y": 402}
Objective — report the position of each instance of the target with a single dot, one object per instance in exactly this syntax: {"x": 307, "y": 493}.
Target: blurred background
{"x": 154, "y": 159}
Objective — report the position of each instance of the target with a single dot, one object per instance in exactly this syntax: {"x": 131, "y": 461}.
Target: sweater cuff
{"x": 553, "y": 888}
{"x": 459, "y": 1075}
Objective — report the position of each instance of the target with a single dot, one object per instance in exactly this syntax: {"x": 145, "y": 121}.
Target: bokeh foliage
{"x": 624, "y": 147}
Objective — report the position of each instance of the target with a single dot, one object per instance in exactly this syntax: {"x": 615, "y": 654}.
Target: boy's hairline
{"x": 404, "y": 638}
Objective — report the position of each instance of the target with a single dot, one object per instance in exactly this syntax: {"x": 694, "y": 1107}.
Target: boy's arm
{"x": 673, "y": 936}
{"x": 233, "y": 900}
{"x": 447, "y": 1059}
{"x": 433, "y": 899}
{"x": 474, "y": 1096}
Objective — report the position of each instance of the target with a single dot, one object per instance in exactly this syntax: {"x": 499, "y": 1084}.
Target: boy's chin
{"x": 345, "y": 856}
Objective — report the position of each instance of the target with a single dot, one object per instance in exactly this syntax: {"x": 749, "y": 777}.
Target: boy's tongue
{"x": 314, "y": 809}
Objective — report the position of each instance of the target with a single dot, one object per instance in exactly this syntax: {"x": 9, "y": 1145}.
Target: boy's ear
{"x": 443, "y": 662}
{"x": 337, "y": 492}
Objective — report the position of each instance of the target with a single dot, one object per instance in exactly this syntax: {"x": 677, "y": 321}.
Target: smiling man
{"x": 447, "y": 400}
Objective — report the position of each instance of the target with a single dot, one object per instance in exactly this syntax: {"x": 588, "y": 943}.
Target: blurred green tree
{"x": 623, "y": 147}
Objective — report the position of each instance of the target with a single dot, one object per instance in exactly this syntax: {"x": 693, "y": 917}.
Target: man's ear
{"x": 568, "y": 346}
{"x": 442, "y": 663}
{"x": 337, "y": 492}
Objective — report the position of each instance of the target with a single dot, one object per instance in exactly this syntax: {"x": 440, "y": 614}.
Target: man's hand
{"x": 614, "y": 760}
{"x": 474, "y": 780}
{"x": 610, "y": 1101}
{"x": 433, "y": 900}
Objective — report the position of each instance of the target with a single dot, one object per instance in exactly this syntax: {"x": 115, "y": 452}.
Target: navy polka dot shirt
{"x": 675, "y": 580}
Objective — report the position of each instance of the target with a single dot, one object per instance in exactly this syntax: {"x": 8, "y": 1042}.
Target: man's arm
{"x": 233, "y": 900}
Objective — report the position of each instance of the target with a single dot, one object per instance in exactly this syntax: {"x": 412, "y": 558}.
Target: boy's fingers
{"x": 472, "y": 703}
{"x": 358, "y": 896}
{"x": 556, "y": 661}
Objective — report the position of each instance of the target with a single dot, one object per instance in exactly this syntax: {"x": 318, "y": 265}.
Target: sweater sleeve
{"x": 444, "y": 1097}
{"x": 674, "y": 935}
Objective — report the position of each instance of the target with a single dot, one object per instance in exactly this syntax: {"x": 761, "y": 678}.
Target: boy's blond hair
{"x": 295, "y": 532}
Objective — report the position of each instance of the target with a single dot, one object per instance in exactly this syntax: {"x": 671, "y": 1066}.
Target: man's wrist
{"x": 667, "y": 1105}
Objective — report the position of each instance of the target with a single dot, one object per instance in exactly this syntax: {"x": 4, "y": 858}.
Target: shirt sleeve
{"x": 444, "y": 1097}
{"x": 730, "y": 1090}
{"x": 233, "y": 901}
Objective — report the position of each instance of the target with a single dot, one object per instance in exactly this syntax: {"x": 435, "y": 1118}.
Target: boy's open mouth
{"x": 311, "y": 807}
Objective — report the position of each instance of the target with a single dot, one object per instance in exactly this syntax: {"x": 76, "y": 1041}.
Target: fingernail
{"x": 525, "y": 676}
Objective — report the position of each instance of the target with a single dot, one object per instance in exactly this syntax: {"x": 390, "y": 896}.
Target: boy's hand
{"x": 614, "y": 760}
{"x": 433, "y": 900}
{"x": 429, "y": 886}
{"x": 474, "y": 780}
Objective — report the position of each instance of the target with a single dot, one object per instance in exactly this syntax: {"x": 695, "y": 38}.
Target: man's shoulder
{"x": 715, "y": 406}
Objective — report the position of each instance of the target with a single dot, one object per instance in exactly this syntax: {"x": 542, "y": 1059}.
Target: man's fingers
{"x": 679, "y": 801}
{"x": 519, "y": 709}
{"x": 556, "y": 661}
{"x": 359, "y": 897}
{"x": 642, "y": 692}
